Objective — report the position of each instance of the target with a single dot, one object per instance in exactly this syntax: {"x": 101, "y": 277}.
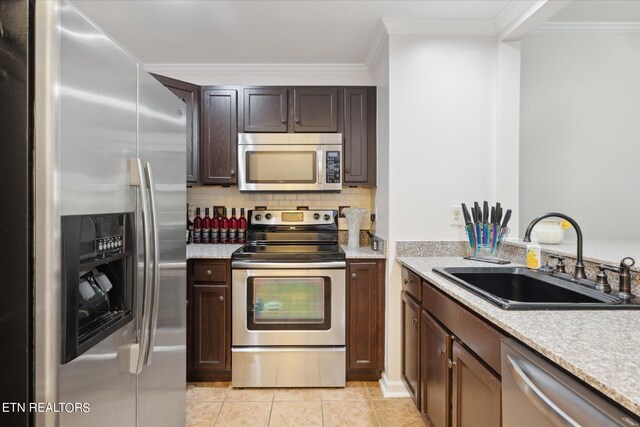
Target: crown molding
{"x": 519, "y": 18}
{"x": 588, "y": 28}
{"x": 380, "y": 37}
{"x": 234, "y": 72}
{"x": 475, "y": 27}
{"x": 513, "y": 13}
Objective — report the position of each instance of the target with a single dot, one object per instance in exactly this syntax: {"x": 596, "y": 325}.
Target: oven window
{"x": 288, "y": 303}
{"x": 283, "y": 167}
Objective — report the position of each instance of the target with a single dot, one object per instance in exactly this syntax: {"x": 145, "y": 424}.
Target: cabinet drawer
{"x": 215, "y": 271}
{"x": 411, "y": 283}
{"x": 481, "y": 338}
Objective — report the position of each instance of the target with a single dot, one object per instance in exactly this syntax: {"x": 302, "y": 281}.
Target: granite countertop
{"x": 224, "y": 251}
{"x": 215, "y": 251}
{"x": 599, "y": 347}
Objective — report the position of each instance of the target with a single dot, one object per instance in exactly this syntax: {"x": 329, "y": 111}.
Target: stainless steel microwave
{"x": 290, "y": 162}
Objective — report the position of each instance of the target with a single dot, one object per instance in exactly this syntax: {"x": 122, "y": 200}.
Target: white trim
{"x": 475, "y": 27}
{"x": 221, "y": 73}
{"x": 588, "y": 28}
{"x": 392, "y": 388}
{"x": 380, "y": 36}
{"x": 512, "y": 13}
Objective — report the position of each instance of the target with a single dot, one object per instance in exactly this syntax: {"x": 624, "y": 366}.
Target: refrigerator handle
{"x": 153, "y": 321}
{"x": 139, "y": 179}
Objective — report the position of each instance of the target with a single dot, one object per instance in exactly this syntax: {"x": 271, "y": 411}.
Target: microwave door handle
{"x": 139, "y": 179}
{"x": 321, "y": 171}
{"x": 153, "y": 320}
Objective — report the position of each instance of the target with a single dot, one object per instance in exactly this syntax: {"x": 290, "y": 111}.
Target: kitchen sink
{"x": 518, "y": 288}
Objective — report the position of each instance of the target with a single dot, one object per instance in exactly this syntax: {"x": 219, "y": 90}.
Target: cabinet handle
{"x": 284, "y": 121}
{"x": 297, "y": 120}
{"x": 407, "y": 281}
{"x": 207, "y": 273}
{"x": 347, "y": 170}
{"x": 232, "y": 173}
{"x": 354, "y": 275}
{"x": 451, "y": 363}
{"x": 221, "y": 298}
{"x": 414, "y": 321}
{"x": 440, "y": 352}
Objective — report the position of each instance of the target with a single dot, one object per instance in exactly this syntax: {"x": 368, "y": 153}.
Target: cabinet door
{"x": 434, "y": 371}
{"x": 359, "y": 136}
{"x": 265, "y": 109}
{"x": 219, "y": 136}
{"x": 365, "y": 316}
{"x": 210, "y": 325}
{"x": 315, "y": 109}
{"x": 190, "y": 95}
{"x": 411, "y": 347}
{"x": 476, "y": 391}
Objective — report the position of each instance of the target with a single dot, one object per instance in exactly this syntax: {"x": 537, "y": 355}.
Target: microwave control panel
{"x": 333, "y": 167}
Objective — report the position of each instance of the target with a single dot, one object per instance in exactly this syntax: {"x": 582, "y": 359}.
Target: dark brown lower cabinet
{"x": 209, "y": 320}
{"x": 452, "y": 371}
{"x": 365, "y": 319}
{"x": 411, "y": 346}
{"x": 435, "y": 384}
{"x": 476, "y": 391}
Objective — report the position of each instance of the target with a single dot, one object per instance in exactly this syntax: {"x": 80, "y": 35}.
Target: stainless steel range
{"x": 288, "y": 302}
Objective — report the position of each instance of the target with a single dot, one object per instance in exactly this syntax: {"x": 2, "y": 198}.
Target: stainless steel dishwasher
{"x": 536, "y": 393}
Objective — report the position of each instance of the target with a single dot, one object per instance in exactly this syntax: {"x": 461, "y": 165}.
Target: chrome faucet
{"x": 578, "y": 272}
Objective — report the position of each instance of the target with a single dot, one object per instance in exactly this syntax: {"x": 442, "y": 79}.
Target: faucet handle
{"x": 601, "y": 278}
{"x": 560, "y": 266}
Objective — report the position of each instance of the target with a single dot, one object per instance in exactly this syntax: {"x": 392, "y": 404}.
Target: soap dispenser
{"x": 534, "y": 255}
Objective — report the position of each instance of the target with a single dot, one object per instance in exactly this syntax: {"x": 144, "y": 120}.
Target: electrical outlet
{"x": 455, "y": 215}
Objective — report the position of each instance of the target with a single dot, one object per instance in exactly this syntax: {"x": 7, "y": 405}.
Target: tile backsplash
{"x": 230, "y": 197}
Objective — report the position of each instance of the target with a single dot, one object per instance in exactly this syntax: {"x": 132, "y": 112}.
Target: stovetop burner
{"x": 289, "y": 236}
{"x": 289, "y": 252}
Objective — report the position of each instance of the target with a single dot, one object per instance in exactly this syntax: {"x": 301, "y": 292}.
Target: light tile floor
{"x": 358, "y": 404}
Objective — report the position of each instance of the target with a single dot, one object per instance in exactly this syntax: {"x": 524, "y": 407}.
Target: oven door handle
{"x": 288, "y": 265}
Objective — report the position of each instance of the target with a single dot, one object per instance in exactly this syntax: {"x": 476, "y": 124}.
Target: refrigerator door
{"x": 95, "y": 137}
{"x": 161, "y": 144}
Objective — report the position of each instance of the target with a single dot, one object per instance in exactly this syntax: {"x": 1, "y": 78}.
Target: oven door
{"x": 288, "y": 306}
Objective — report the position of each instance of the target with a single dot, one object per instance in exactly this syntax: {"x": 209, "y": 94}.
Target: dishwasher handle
{"x": 541, "y": 401}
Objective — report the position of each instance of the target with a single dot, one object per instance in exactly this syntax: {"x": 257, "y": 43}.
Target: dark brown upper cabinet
{"x": 315, "y": 109}
{"x": 190, "y": 95}
{"x": 219, "y": 136}
{"x": 360, "y": 136}
{"x": 265, "y": 109}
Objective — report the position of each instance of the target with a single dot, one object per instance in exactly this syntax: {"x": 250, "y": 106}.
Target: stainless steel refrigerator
{"x": 98, "y": 167}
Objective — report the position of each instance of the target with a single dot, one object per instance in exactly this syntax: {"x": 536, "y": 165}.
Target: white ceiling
{"x": 262, "y": 31}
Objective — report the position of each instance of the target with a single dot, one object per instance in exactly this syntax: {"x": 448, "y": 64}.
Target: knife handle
{"x": 507, "y": 217}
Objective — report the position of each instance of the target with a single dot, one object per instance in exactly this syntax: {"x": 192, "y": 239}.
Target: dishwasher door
{"x": 536, "y": 393}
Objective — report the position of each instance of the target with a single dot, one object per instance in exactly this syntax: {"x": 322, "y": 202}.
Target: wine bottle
{"x": 233, "y": 227}
{"x": 197, "y": 227}
{"x": 224, "y": 227}
{"x": 242, "y": 228}
{"x": 206, "y": 227}
{"x": 215, "y": 229}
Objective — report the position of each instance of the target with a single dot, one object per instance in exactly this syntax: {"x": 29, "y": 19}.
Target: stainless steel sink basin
{"x": 518, "y": 288}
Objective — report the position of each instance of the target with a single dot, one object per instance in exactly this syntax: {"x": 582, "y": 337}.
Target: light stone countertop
{"x": 224, "y": 251}
{"x": 363, "y": 252}
{"x": 600, "y": 347}
{"x": 211, "y": 251}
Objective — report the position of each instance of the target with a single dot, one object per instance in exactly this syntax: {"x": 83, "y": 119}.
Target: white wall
{"x": 442, "y": 135}
{"x": 580, "y": 131}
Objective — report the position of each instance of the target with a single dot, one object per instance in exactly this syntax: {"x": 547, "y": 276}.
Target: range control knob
{"x": 258, "y": 217}
{"x": 327, "y": 217}
{"x": 268, "y": 216}
{"x": 316, "y": 216}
